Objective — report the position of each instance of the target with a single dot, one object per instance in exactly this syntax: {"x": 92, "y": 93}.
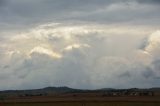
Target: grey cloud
{"x": 151, "y": 46}
{"x": 148, "y": 73}
{"x": 98, "y": 42}
{"x": 26, "y": 13}
{"x": 3, "y": 2}
{"x": 149, "y": 1}
{"x": 125, "y": 74}
{"x": 143, "y": 44}
{"x": 93, "y": 56}
{"x": 156, "y": 67}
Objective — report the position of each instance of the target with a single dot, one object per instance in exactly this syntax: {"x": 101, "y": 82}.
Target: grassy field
{"x": 81, "y": 101}
{"x": 84, "y": 104}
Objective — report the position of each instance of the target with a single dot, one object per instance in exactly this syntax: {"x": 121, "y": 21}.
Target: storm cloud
{"x": 28, "y": 13}
{"x": 79, "y": 43}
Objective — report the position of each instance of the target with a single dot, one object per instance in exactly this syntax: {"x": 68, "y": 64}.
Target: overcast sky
{"x": 86, "y": 44}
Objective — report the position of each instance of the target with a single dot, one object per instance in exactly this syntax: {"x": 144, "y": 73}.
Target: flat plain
{"x": 82, "y": 101}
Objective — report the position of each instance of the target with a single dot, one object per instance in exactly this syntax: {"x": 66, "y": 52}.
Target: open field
{"x": 70, "y": 97}
{"x": 85, "y": 104}
{"x": 82, "y": 101}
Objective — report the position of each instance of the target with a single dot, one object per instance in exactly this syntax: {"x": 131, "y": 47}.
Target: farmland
{"x": 82, "y": 101}
{"x": 84, "y": 104}
{"x": 72, "y": 97}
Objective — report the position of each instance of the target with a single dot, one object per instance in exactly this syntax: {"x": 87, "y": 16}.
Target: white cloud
{"x": 93, "y": 43}
{"x": 79, "y": 56}
{"x": 42, "y": 50}
{"x": 153, "y": 44}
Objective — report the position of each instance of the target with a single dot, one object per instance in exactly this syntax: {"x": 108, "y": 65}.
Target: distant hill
{"x": 43, "y": 91}
{"x": 64, "y": 90}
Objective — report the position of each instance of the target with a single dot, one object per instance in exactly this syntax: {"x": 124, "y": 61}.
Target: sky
{"x": 85, "y": 44}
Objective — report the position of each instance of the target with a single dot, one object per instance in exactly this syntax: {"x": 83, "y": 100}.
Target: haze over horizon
{"x": 85, "y": 44}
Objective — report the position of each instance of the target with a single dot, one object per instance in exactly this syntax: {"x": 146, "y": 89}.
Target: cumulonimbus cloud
{"x": 79, "y": 56}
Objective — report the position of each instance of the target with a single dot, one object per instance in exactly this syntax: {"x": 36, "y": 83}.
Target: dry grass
{"x": 81, "y": 101}
{"x": 84, "y": 104}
